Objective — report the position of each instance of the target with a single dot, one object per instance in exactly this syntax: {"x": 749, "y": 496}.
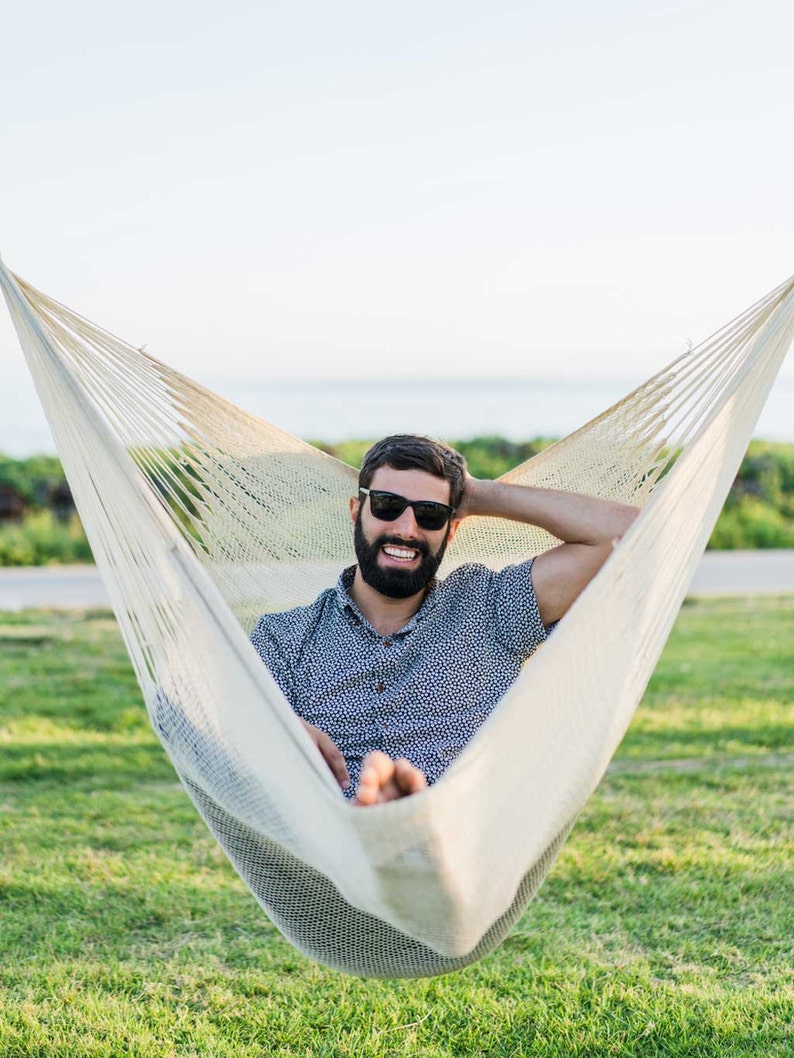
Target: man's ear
{"x": 453, "y": 528}
{"x": 355, "y": 503}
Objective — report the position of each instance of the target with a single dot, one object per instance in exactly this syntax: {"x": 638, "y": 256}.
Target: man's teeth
{"x": 404, "y": 553}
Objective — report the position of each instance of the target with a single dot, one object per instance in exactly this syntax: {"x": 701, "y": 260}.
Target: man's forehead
{"x": 413, "y": 484}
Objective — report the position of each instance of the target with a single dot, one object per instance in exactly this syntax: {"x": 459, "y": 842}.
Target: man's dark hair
{"x": 407, "y": 451}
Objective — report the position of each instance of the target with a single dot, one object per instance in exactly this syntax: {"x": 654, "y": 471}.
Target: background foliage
{"x": 38, "y": 523}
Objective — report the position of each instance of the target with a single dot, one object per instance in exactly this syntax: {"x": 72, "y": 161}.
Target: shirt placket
{"x": 385, "y": 679}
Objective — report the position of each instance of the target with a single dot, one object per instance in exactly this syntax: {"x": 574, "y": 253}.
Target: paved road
{"x": 719, "y": 573}
{"x": 744, "y": 573}
{"x": 63, "y": 587}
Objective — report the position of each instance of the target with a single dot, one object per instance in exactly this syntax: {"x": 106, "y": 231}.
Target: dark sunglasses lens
{"x": 386, "y": 506}
{"x": 431, "y": 515}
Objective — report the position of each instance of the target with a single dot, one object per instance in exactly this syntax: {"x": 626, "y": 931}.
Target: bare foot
{"x": 383, "y": 779}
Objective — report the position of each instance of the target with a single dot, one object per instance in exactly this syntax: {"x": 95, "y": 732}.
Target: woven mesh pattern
{"x": 202, "y": 517}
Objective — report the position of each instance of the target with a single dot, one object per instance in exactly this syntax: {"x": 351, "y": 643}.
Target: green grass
{"x": 664, "y": 929}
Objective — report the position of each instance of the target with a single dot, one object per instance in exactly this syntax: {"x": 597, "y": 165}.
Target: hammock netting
{"x": 202, "y": 517}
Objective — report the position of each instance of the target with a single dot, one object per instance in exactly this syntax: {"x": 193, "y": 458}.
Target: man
{"x": 392, "y": 671}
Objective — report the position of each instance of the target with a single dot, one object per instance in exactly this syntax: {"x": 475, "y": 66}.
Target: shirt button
{"x": 387, "y": 642}
{"x": 380, "y": 688}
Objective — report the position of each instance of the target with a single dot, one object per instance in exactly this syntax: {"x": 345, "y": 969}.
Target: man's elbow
{"x": 627, "y": 516}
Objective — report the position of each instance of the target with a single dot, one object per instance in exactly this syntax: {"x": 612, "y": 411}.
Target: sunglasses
{"x": 388, "y": 506}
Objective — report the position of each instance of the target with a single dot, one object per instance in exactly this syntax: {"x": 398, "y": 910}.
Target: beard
{"x": 391, "y": 582}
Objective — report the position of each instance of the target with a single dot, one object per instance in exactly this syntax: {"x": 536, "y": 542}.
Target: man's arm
{"x": 588, "y": 527}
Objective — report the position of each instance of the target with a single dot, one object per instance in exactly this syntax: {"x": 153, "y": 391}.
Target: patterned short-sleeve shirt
{"x": 419, "y": 693}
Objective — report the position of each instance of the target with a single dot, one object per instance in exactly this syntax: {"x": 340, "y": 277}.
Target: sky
{"x": 361, "y": 190}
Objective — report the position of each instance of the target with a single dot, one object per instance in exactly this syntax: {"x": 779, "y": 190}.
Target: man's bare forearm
{"x": 570, "y": 516}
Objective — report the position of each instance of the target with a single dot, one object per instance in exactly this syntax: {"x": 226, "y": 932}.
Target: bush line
{"x": 39, "y": 525}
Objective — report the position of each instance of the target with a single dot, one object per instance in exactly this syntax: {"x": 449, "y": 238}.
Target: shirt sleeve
{"x": 518, "y": 623}
{"x": 271, "y": 648}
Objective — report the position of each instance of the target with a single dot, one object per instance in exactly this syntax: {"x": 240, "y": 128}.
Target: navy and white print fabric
{"x": 419, "y": 693}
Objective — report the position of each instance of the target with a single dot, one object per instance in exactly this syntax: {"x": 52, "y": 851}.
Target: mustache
{"x": 400, "y": 541}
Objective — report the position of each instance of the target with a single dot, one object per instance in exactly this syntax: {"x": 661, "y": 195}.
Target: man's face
{"x": 398, "y": 559}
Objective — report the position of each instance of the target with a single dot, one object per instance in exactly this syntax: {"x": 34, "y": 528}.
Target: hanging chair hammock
{"x": 202, "y": 517}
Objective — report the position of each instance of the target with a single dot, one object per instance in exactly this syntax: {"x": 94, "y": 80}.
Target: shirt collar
{"x": 345, "y": 600}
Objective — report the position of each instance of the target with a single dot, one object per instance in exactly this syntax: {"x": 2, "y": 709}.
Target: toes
{"x": 409, "y": 779}
{"x": 383, "y": 779}
{"x": 377, "y": 768}
{"x": 376, "y": 771}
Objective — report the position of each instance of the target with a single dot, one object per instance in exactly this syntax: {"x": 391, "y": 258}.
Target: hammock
{"x": 201, "y": 517}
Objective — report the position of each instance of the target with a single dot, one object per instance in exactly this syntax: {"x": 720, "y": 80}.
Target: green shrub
{"x": 751, "y": 523}
{"x": 32, "y": 478}
{"x": 487, "y": 457}
{"x": 42, "y": 539}
{"x": 759, "y": 511}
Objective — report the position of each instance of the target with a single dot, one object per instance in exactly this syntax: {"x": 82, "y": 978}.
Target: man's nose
{"x": 406, "y": 525}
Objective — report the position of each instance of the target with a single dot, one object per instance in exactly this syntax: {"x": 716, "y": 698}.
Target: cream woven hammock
{"x": 202, "y": 517}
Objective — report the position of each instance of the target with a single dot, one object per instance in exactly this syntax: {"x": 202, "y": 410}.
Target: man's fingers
{"x": 331, "y": 753}
{"x": 334, "y": 759}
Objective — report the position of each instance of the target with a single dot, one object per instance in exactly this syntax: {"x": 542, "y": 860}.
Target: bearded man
{"x": 393, "y": 670}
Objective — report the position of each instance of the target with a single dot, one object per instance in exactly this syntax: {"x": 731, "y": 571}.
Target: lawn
{"x": 664, "y": 929}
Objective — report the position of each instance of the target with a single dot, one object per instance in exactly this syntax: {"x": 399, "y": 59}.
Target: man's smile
{"x": 400, "y": 554}
{"x": 396, "y": 566}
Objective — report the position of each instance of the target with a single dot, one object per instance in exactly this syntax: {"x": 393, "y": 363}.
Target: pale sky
{"x": 306, "y": 189}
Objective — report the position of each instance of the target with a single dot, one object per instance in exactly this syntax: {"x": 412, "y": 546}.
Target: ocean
{"x": 457, "y": 409}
